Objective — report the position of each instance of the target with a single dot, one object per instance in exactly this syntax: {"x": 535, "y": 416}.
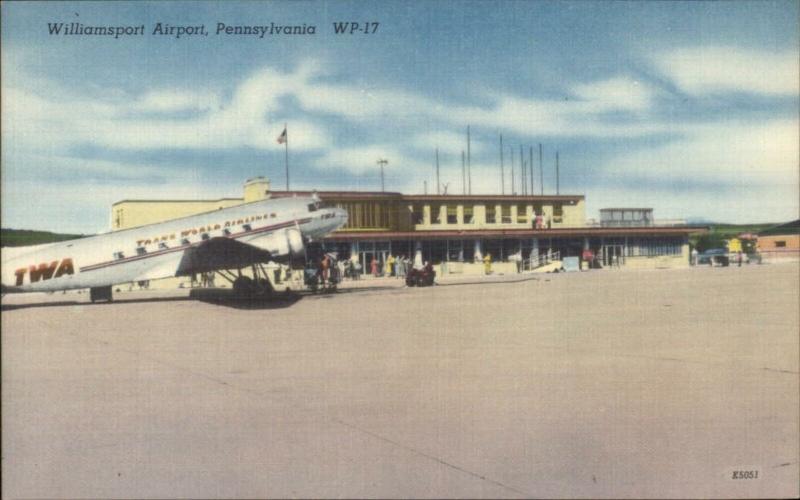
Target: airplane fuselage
{"x": 155, "y": 250}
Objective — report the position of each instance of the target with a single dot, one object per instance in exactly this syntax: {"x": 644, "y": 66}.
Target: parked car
{"x": 714, "y": 256}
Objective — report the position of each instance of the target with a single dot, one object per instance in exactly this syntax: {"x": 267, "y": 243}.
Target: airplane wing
{"x": 219, "y": 253}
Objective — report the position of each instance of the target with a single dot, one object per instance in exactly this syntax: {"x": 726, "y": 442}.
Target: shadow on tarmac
{"x": 227, "y": 298}
{"x": 218, "y": 297}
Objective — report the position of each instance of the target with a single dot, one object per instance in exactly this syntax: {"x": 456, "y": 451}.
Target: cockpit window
{"x": 313, "y": 207}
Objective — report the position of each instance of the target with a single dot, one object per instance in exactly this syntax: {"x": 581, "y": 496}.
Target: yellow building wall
{"x": 572, "y": 216}
{"x": 127, "y": 214}
{"x": 660, "y": 261}
{"x": 256, "y": 189}
{"x": 769, "y": 249}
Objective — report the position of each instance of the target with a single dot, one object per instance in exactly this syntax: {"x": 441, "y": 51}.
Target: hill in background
{"x": 24, "y": 237}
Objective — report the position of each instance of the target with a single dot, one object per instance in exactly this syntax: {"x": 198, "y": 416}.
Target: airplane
{"x": 223, "y": 241}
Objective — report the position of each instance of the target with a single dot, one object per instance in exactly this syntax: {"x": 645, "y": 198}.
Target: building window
{"x": 506, "y": 214}
{"x": 140, "y": 251}
{"x": 417, "y": 215}
{"x": 652, "y": 247}
{"x": 452, "y": 214}
{"x": 436, "y": 214}
{"x": 558, "y": 213}
{"x": 469, "y": 250}
{"x": 491, "y": 214}
{"x": 522, "y": 216}
{"x": 780, "y": 244}
{"x": 455, "y": 251}
{"x": 469, "y": 217}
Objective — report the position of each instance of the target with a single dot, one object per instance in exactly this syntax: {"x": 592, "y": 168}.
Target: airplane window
{"x": 184, "y": 241}
{"x": 119, "y": 255}
{"x": 272, "y": 216}
{"x": 140, "y": 251}
{"x": 204, "y": 236}
{"x": 162, "y": 246}
{"x": 247, "y": 227}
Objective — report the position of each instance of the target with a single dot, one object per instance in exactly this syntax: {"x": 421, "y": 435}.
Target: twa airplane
{"x": 223, "y": 240}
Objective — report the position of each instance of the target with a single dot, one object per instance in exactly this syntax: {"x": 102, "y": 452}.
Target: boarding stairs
{"x": 542, "y": 263}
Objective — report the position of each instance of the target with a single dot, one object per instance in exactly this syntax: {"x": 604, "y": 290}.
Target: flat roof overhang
{"x": 492, "y": 197}
{"x": 439, "y": 198}
{"x": 588, "y": 232}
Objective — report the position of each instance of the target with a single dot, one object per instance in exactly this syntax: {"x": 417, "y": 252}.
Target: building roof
{"x": 492, "y": 197}
{"x": 518, "y": 233}
{"x": 626, "y": 208}
{"x": 337, "y": 194}
{"x": 217, "y": 200}
{"x": 428, "y": 197}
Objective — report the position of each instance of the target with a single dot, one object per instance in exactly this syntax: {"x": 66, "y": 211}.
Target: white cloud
{"x": 448, "y": 142}
{"x": 621, "y": 93}
{"x": 762, "y": 153}
{"x": 252, "y": 117}
{"x": 713, "y": 70}
{"x": 364, "y": 159}
{"x": 174, "y": 100}
{"x": 750, "y": 172}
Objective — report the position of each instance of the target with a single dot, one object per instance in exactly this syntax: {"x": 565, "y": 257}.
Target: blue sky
{"x": 691, "y": 108}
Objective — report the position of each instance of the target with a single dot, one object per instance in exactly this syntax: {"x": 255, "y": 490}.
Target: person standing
{"x": 374, "y": 266}
{"x": 695, "y": 253}
{"x": 487, "y": 263}
{"x": 390, "y": 266}
{"x": 325, "y": 267}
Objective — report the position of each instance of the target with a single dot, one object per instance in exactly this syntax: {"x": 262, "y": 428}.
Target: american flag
{"x": 282, "y": 137}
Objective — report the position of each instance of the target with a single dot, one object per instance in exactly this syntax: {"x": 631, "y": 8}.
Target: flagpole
{"x": 530, "y": 167}
{"x": 286, "y": 151}
{"x": 511, "y": 154}
{"x": 522, "y": 178}
{"x": 557, "y": 190}
{"x": 469, "y": 163}
{"x": 541, "y": 171}
{"x": 463, "y": 174}
{"x": 502, "y": 172}
{"x": 437, "y": 171}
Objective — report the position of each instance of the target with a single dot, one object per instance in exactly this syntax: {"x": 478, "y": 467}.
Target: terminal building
{"x": 456, "y": 232}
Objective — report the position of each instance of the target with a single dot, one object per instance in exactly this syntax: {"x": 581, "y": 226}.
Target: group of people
{"x": 393, "y": 266}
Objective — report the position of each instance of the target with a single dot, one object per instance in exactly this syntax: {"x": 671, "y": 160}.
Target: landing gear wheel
{"x": 243, "y": 286}
{"x": 263, "y": 288}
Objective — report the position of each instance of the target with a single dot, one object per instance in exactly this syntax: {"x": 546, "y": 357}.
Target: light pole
{"x": 382, "y": 162}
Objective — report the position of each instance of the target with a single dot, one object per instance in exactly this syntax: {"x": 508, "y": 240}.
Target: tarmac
{"x": 663, "y": 383}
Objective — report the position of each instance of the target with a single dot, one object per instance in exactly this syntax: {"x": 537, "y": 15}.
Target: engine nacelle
{"x": 280, "y": 243}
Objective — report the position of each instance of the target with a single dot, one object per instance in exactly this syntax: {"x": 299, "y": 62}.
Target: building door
{"x": 368, "y": 257}
{"x": 613, "y": 254}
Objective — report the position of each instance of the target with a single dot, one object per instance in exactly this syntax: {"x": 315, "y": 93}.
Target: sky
{"x": 690, "y": 108}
